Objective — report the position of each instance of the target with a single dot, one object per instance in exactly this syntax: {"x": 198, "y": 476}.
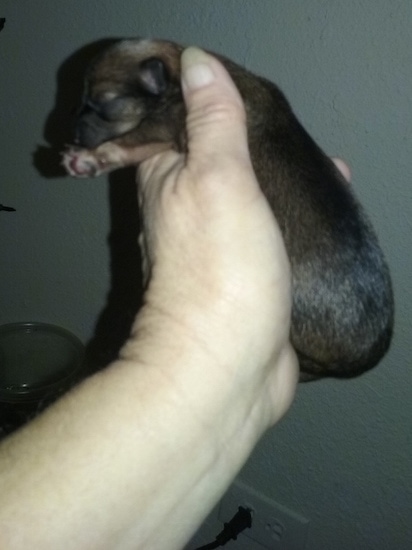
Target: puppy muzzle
{"x": 91, "y": 131}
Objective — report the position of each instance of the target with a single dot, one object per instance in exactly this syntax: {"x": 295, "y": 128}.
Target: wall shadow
{"x": 125, "y": 294}
{"x": 126, "y": 288}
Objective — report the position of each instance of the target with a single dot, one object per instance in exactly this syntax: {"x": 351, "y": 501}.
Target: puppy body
{"x": 342, "y": 315}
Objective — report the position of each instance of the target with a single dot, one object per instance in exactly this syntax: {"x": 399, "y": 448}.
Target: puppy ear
{"x": 153, "y": 75}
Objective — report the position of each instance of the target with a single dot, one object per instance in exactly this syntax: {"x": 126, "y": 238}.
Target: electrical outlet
{"x": 273, "y": 526}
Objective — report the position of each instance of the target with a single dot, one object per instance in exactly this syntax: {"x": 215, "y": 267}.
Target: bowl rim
{"x": 19, "y": 393}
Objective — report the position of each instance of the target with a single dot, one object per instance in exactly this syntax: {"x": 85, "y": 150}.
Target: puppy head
{"x": 134, "y": 85}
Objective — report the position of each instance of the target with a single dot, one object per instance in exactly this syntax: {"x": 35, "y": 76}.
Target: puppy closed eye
{"x": 92, "y": 105}
{"x": 119, "y": 108}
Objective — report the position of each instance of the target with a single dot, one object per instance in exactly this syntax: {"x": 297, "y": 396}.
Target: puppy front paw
{"x": 109, "y": 156}
{"x": 81, "y": 163}
{"x": 88, "y": 163}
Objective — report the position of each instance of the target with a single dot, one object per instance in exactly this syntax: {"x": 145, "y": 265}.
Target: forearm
{"x": 137, "y": 455}
{"x": 131, "y": 459}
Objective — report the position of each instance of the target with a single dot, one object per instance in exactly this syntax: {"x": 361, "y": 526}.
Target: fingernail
{"x": 196, "y": 70}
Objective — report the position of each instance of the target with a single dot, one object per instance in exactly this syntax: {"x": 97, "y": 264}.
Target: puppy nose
{"x": 90, "y": 133}
{"x": 80, "y": 135}
{"x": 77, "y": 139}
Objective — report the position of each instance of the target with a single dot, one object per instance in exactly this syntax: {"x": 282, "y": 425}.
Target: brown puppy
{"x": 342, "y": 314}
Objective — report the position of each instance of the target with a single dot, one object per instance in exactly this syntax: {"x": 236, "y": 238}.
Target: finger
{"x": 153, "y": 170}
{"x": 283, "y": 383}
{"x": 216, "y": 121}
{"x": 154, "y": 174}
{"x": 343, "y": 168}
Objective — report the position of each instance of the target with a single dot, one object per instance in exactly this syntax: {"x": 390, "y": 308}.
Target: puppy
{"x": 342, "y": 314}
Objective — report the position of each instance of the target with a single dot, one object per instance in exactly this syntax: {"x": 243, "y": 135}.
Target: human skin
{"x": 138, "y": 454}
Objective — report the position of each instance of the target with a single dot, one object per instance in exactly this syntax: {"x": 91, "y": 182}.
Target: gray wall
{"x": 341, "y": 457}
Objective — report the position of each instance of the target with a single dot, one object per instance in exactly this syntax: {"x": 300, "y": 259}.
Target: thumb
{"x": 216, "y": 118}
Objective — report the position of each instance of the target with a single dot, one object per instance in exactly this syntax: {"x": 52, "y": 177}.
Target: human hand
{"x": 219, "y": 273}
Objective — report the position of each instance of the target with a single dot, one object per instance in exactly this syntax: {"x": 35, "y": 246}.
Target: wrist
{"x": 206, "y": 385}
